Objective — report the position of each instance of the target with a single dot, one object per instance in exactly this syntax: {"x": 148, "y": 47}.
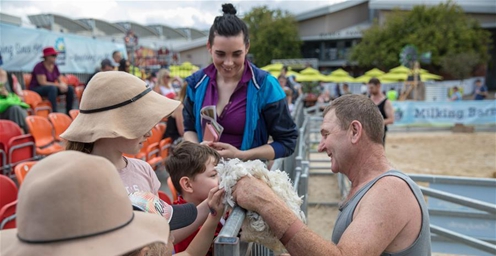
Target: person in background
{"x": 249, "y": 102}
{"x": 163, "y": 85}
{"x": 480, "y": 90}
{"x": 116, "y": 58}
{"x": 124, "y": 65}
{"x": 175, "y": 126}
{"x": 346, "y": 89}
{"x": 291, "y": 84}
{"x": 105, "y": 65}
{"x": 12, "y": 106}
{"x": 48, "y": 82}
{"x": 384, "y": 213}
{"x": 456, "y": 96}
{"x": 384, "y": 105}
{"x": 392, "y": 94}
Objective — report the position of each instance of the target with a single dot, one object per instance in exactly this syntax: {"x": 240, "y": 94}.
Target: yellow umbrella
{"x": 340, "y": 79}
{"x": 289, "y": 73}
{"x": 310, "y": 78}
{"x": 363, "y": 79}
{"x": 339, "y": 72}
{"x": 400, "y": 70}
{"x": 375, "y": 72}
{"x": 429, "y": 76}
{"x": 309, "y": 71}
{"x": 273, "y": 67}
{"x": 394, "y": 77}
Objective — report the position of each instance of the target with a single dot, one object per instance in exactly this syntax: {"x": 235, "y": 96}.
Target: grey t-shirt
{"x": 138, "y": 175}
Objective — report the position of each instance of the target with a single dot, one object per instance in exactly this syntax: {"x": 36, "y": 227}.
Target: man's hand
{"x": 251, "y": 193}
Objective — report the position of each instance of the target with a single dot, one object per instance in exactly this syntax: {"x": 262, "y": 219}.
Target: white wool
{"x": 254, "y": 228}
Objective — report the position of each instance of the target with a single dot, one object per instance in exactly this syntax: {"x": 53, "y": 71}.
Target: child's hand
{"x": 214, "y": 202}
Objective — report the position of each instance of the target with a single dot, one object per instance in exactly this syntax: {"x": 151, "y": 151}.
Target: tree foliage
{"x": 273, "y": 35}
{"x": 460, "y": 65}
{"x": 444, "y": 30}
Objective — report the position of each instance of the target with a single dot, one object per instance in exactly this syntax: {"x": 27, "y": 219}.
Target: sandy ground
{"x": 439, "y": 153}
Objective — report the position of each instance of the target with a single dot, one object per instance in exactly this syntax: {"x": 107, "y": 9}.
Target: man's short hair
{"x": 374, "y": 81}
{"x": 358, "y": 107}
{"x": 115, "y": 53}
{"x": 478, "y": 81}
{"x": 188, "y": 159}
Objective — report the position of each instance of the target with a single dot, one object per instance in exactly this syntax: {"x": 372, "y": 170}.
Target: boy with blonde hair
{"x": 191, "y": 167}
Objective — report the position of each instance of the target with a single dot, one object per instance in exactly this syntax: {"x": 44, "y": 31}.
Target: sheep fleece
{"x": 254, "y": 228}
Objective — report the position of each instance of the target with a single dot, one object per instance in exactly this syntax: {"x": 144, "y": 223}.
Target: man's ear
{"x": 356, "y": 130}
{"x": 185, "y": 183}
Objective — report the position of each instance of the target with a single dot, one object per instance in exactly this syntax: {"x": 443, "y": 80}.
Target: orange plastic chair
{"x": 72, "y": 80}
{"x": 162, "y": 195}
{"x": 153, "y": 155}
{"x": 38, "y": 106}
{"x": 7, "y": 216}
{"x": 172, "y": 189}
{"x": 8, "y": 191}
{"x": 79, "y": 91}
{"x": 156, "y": 135}
{"x": 27, "y": 80}
{"x": 22, "y": 169}
{"x": 74, "y": 113}
{"x": 42, "y": 131}
{"x": 165, "y": 146}
{"x": 161, "y": 128}
{"x": 60, "y": 122}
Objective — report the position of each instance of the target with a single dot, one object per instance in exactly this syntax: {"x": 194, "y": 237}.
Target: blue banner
{"x": 21, "y": 49}
{"x": 457, "y": 112}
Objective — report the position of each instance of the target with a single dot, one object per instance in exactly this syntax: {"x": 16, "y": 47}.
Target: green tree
{"x": 273, "y": 35}
{"x": 444, "y": 30}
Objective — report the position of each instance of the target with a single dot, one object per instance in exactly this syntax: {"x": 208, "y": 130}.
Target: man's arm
{"x": 389, "y": 113}
{"x": 381, "y": 215}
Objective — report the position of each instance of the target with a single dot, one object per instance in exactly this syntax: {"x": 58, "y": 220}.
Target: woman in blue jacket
{"x": 250, "y": 104}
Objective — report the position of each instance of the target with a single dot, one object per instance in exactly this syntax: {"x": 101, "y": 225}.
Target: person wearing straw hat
{"x": 116, "y": 115}
{"x": 47, "y": 80}
{"x": 75, "y": 204}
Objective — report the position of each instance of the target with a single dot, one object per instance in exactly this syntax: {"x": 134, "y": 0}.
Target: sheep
{"x": 254, "y": 228}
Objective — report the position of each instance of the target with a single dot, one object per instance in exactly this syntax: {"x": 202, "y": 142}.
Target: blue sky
{"x": 186, "y": 13}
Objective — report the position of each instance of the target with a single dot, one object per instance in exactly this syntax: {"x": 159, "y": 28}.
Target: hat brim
{"x": 183, "y": 215}
{"x": 130, "y": 121}
{"x": 143, "y": 230}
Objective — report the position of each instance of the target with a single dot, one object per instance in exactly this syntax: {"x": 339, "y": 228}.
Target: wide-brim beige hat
{"x": 73, "y": 203}
{"x": 117, "y": 104}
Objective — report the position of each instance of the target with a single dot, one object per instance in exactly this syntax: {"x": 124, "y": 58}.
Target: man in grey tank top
{"x": 384, "y": 213}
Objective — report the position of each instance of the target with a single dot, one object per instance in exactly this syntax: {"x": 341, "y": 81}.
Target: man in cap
{"x": 105, "y": 65}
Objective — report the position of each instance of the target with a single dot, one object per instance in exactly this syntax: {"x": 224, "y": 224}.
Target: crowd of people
{"x": 110, "y": 198}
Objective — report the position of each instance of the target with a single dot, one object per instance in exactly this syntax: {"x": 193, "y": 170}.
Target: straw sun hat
{"x": 117, "y": 104}
{"x": 72, "y": 203}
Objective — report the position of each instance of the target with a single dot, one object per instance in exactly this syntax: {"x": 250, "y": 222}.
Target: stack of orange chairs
{"x": 38, "y": 106}
{"x": 60, "y": 122}
{"x": 43, "y": 133}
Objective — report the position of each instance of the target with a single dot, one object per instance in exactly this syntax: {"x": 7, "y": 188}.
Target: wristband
{"x": 295, "y": 227}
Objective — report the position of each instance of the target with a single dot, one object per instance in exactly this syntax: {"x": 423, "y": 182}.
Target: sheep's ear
{"x": 185, "y": 183}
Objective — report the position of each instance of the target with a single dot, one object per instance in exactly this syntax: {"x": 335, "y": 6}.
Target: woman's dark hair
{"x": 228, "y": 25}
{"x": 122, "y": 65}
